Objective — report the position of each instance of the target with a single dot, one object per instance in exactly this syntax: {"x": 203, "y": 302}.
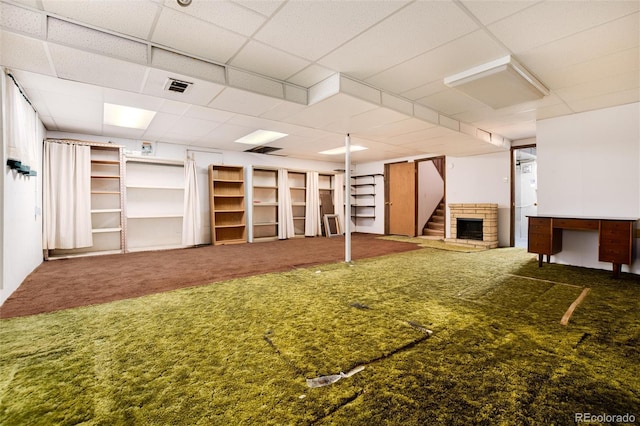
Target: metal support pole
{"x": 347, "y": 198}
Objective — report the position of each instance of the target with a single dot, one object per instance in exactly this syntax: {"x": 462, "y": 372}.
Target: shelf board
{"x": 228, "y": 180}
{"x": 354, "y": 185}
{"x": 229, "y": 211}
{"x": 299, "y": 204}
{"x": 242, "y": 225}
{"x": 85, "y": 254}
{"x": 152, "y": 248}
{"x": 154, "y": 187}
{"x": 105, "y": 177}
{"x": 230, "y": 241}
{"x": 298, "y": 187}
{"x": 264, "y": 223}
{"x": 265, "y": 204}
{"x": 106, "y": 192}
{"x": 106, "y": 211}
{"x": 228, "y": 196}
{"x": 362, "y": 195}
{"x": 105, "y": 230}
{"x": 264, "y": 187}
{"x": 299, "y": 218}
{"x": 114, "y": 162}
{"x": 362, "y": 205}
{"x": 271, "y": 238}
{"x": 363, "y": 216}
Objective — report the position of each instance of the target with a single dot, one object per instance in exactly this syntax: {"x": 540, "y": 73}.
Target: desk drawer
{"x": 616, "y": 238}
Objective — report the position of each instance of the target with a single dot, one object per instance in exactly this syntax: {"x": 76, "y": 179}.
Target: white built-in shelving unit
{"x": 363, "y": 195}
{"x": 298, "y": 188}
{"x": 154, "y": 203}
{"x": 265, "y": 204}
{"x": 227, "y": 206}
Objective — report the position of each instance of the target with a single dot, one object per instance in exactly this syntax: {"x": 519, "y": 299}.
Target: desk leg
{"x": 548, "y": 258}
{"x": 616, "y": 270}
{"x": 540, "y": 257}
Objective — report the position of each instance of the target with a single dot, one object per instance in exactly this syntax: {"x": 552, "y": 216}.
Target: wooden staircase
{"x": 435, "y": 224}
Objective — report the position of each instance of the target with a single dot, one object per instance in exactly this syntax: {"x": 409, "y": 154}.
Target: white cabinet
{"x": 154, "y": 203}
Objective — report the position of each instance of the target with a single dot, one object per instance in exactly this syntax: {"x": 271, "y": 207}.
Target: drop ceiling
{"x": 317, "y": 70}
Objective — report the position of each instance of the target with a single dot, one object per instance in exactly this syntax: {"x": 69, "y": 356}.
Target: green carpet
{"x": 240, "y": 352}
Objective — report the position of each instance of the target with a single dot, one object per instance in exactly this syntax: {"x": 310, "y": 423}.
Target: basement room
{"x": 405, "y": 212}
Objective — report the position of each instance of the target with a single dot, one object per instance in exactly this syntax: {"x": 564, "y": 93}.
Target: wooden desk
{"x": 615, "y": 237}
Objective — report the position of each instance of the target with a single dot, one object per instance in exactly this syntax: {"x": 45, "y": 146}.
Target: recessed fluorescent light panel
{"x": 499, "y": 84}
{"x": 261, "y": 137}
{"x": 342, "y": 150}
{"x": 124, "y": 116}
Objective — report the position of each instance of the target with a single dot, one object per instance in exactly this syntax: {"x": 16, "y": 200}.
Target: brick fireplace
{"x": 473, "y": 225}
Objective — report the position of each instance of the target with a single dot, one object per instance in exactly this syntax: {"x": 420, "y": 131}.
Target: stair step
{"x": 437, "y": 226}
{"x": 439, "y": 212}
{"x": 439, "y": 219}
{"x": 433, "y": 232}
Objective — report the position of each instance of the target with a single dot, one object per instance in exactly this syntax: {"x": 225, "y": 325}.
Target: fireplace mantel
{"x": 487, "y": 212}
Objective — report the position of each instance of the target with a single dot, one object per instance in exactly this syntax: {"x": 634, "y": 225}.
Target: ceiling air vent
{"x": 177, "y": 86}
{"x": 263, "y": 149}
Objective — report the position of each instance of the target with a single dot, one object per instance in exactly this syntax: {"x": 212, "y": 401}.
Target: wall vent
{"x": 178, "y": 86}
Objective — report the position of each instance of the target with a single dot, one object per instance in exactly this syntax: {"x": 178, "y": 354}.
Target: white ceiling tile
{"x": 74, "y": 64}
{"x": 74, "y": 108}
{"x": 160, "y": 125}
{"x": 228, "y": 133}
{"x": 49, "y": 123}
{"x": 78, "y": 126}
{"x": 122, "y": 132}
{"x": 174, "y": 107}
{"x": 600, "y": 87}
{"x": 200, "y": 93}
{"x": 461, "y": 54}
{"x": 425, "y": 25}
{"x": 583, "y": 72}
{"x": 425, "y": 90}
{"x": 384, "y": 132}
{"x": 35, "y": 4}
{"x": 64, "y": 32}
{"x": 366, "y": 121}
{"x": 209, "y": 114}
{"x": 224, "y": 14}
{"x": 262, "y": 123}
{"x": 337, "y": 109}
{"x": 553, "y": 20}
{"x": 606, "y": 100}
{"x": 243, "y": 102}
{"x": 312, "y": 29}
{"x": 189, "y": 129}
{"x": 264, "y": 7}
{"x": 552, "y": 111}
{"x": 311, "y": 75}
{"x": 58, "y": 87}
{"x": 488, "y": 11}
{"x": 268, "y": 61}
{"x": 196, "y": 37}
{"x": 450, "y": 101}
{"x": 283, "y": 110}
{"x": 18, "y": 52}
{"x": 136, "y": 100}
{"x": 133, "y": 18}
{"x": 618, "y": 35}
{"x": 22, "y": 20}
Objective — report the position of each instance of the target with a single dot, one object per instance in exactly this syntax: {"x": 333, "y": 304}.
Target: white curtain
{"x": 21, "y": 127}
{"x": 191, "y": 220}
{"x": 285, "y": 209}
{"x": 67, "y": 196}
{"x": 312, "y": 214}
{"x": 338, "y": 198}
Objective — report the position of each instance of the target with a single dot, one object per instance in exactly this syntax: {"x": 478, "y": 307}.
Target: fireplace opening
{"x": 469, "y": 229}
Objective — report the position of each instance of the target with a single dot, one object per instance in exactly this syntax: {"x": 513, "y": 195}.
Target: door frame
{"x": 512, "y": 224}
{"x": 415, "y": 213}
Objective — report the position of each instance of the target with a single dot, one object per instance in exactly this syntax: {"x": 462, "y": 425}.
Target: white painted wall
{"x": 203, "y": 158}
{"x": 21, "y": 228}
{"x": 482, "y": 179}
{"x": 588, "y": 165}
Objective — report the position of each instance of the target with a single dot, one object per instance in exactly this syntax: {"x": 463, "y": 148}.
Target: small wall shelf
{"x": 363, "y": 192}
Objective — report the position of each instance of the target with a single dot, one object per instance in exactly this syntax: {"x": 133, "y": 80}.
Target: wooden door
{"x": 400, "y": 199}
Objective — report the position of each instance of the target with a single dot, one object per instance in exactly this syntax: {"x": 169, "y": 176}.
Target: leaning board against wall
{"x": 227, "y": 204}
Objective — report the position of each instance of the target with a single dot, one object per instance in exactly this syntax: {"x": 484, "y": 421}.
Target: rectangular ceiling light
{"x": 342, "y": 150}
{"x": 261, "y": 137}
{"x": 500, "y": 83}
{"x": 124, "y": 116}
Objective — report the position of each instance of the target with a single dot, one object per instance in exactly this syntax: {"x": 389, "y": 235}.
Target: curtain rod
{"x": 24, "y": 95}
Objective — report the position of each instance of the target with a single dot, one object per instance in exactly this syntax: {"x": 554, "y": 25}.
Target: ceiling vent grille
{"x": 177, "y": 86}
{"x": 263, "y": 149}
